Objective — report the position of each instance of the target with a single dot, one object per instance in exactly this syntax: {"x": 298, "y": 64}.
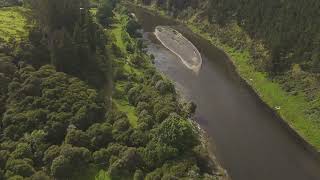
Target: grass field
{"x": 13, "y": 23}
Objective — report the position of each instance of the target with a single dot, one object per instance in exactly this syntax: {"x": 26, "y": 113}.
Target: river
{"x": 249, "y": 140}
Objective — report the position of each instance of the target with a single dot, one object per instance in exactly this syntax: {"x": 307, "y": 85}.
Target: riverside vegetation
{"x": 80, "y": 99}
{"x": 273, "y": 44}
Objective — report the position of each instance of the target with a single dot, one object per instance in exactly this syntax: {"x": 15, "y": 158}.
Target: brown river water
{"x": 250, "y": 141}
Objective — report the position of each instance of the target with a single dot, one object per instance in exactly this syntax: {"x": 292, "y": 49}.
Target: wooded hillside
{"x": 61, "y": 117}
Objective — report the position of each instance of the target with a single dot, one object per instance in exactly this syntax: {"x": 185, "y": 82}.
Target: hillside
{"x": 80, "y": 99}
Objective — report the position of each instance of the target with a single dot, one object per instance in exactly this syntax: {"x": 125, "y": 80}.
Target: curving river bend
{"x": 249, "y": 140}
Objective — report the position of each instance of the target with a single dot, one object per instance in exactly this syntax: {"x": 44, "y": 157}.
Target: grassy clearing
{"x": 93, "y": 11}
{"x": 13, "y": 23}
{"x": 117, "y": 32}
{"x": 122, "y": 103}
{"x": 124, "y": 106}
{"x": 103, "y": 175}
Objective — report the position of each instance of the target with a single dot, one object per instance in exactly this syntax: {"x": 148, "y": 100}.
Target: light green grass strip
{"x": 13, "y": 23}
{"x": 117, "y": 32}
{"x": 103, "y": 175}
{"x": 124, "y": 106}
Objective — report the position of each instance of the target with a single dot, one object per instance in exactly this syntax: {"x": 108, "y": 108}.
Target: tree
{"x": 70, "y": 161}
{"x": 165, "y": 87}
{"x": 104, "y": 13}
{"x": 101, "y": 157}
{"x": 23, "y": 150}
{"x": 20, "y": 167}
{"x": 39, "y": 175}
{"x": 77, "y": 138}
{"x": 138, "y": 175}
{"x": 177, "y": 133}
{"x": 155, "y": 154}
{"x": 50, "y": 154}
{"x": 4, "y": 155}
{"x": 61, "y": 167}
{"x": 100, "y": 135}
{"x": 126, "y": 165}
{"x": 38, "y": 144}
{"x": 131, "y": 27}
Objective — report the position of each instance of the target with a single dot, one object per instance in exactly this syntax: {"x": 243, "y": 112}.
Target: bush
{"x": 77, "y": 138}
{"x": 165, "y": 87}
{"x": 177, "y": 133}
{"x": 20, "y": 167}
{"x": 100, "y": 135}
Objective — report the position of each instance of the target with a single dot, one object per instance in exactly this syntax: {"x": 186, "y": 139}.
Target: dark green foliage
{"x": 100, "y": 135}
{"x": 282, "y": 31}
{"x": 104, "y": 13}
{"x": 50, "y": 154}
{"x": 55, "y": 122}
{"x": 23, "y": 150}
{"x": 155, "y": 154}
{"x": 71, "y": 160}
{"x": 37, "y": 90}
{"x": 77, "y": 138}
{"x": 4, "y": 155}
{"x": 40, "y": 175}
{"x": 20, "y": 167}
{"x": 103, "y": 156}
{"x": 75, "y": 43}
{"x": 132, "y": 27}
{"x": 165, "y": 87}
{"x": 136, "y": 60}
{"x": 126, "y": 164}
{"x": 41, "y": 105}
{"x": 177, "y": 133}
{"x": 176, "y": 170}
{"x": 8, "y": 3}
{"x": 138, "y": 175}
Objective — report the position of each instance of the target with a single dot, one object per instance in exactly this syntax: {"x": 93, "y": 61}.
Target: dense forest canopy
{"x": 289, "y": 28}
{"x": 76, "y": 44}
{"x": 58, "y": 120}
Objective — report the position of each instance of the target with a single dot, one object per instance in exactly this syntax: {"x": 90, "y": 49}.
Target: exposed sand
{"x": 181, "y": 46}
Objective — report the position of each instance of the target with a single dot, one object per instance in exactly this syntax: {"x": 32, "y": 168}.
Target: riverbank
{"x": 291, "y": 108}
{"x": 123, "y": 97}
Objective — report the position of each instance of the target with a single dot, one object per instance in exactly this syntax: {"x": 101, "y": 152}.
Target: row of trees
{"x": 290, "y": 29}
{"x": 73, "y": 41}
